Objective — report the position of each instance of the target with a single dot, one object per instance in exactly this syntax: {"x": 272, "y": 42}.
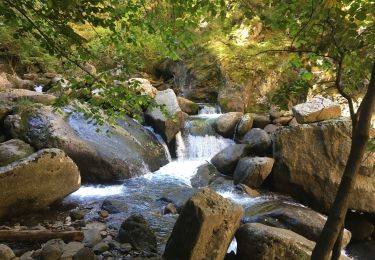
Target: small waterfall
{"x": 180, "y": 147}
{"x": 38, "y": 88}
{"x": 208, "y": 109}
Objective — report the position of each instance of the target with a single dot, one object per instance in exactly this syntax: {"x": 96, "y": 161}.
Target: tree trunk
{"x": 360, "y": 136}
{"x": 40, "y": 235}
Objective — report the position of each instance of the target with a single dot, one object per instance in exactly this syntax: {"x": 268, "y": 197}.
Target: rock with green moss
{"x": 37, "y": 181}
{"x": 102, "y": 153}
{"x": 188, "y": 106}
{"x": 13, "y": 150}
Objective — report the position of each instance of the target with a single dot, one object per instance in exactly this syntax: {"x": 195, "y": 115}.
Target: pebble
{"x": 103, "y": 213}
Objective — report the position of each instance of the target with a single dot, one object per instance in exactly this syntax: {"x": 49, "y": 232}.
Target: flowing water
{"x": 148, "y": 194}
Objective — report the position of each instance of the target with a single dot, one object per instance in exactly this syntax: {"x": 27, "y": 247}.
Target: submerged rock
{"x": 13, "y": 150}
{"x": 310, "y": 160}
{"x": 126, "y": 151}
{"x": 37, "y": 181}
{"x": 204, "y": 229}
{"x": 166, "y": 127}
{"x": 317, "y": 109}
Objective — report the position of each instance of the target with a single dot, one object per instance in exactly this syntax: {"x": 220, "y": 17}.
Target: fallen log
{"x": 40, "y": 235}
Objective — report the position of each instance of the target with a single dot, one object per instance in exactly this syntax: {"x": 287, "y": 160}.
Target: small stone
{"x": 103, "y": 214}
{"x": 53, "y": 249}
{"x": 170, "y": 208}
{"x": 84, "y": 254}
{"x": 6, "y": 252}
{"x": 126, "y": 247}
{"x": 100, "y": 247}
{"x": 77, "y": 214}
{"x": 108, "y": 206}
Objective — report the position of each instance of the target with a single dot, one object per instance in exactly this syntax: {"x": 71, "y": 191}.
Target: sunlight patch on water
{"x": 98, "y": 191}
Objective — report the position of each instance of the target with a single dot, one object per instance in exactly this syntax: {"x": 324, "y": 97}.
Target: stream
{"x": 149, "y": 193}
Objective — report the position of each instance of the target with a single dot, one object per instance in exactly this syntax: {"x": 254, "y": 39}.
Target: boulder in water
{"x": 188, "y": 106}
{"x": 126, "y": 151}
{"x": 259, "y": 140}
{"x": 317, "y": 109}
{"x": 13, "y": 150}
{"x": 244, "y": 125}
{"x": 206, "y": 174}
{"x": 136, "y": 231}
{"x": 204, "y": 228}
{"x": 166, "y": 127}
{"x": 252, "y": 171}
{"x": 226, "y": 160}
{"x": 301, "y": 220}
{"x": 260, "y": 242}
{"x": 37, "y": 181}
{"x": 310, "y": 160}
{"x": 225, "y": 124}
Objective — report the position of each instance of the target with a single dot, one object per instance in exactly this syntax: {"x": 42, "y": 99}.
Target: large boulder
{"x": 188, "y": 106}
{"x": 310, "y": 160}
{"x": 6, "y": 253}
{"x": 13, "y": 150}
{"x": 258, "y": 139}
{"x": 126, "y": 151}
{"x": 244, "y": 125}
{"x": 299, "y": 219}
{"x": 261, "y": 120}
{"x": 204, "y": 229}
{"x": 225, "y": 124}
{"x": 260, "y": 242}
{"x": 37, "y": 181}
{"x": 166, "y": 127}
{"x": 226, "y": 160}
{"x": 252, "y": 171}
{"x": 317, "y": 109}
{"x": 205, "y": 175}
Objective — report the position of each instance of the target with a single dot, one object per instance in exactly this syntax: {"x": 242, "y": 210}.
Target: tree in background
{"x": 338, "y": 38}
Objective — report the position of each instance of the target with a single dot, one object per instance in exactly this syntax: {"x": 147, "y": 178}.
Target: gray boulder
{"x": 225, "y": 124}
{"x": 260, "y": 121}
{"x": 166, "y": 127}
{"x": 259, "y": 140}
{"x": 310, "y": 160}
{"x": 13, "y": 150}
{"x": 100, "y": 156}
{"x": 244, "y": 125}
{"x": 6, "y": 253}
{"x": 206, "y": 174}
{"x": 37, "y": 181}
{"x": 252, "y": 171}
{"x": 204, "y": 229}
{"x": 315, "y": 110}
{"x": 226, "y": 160}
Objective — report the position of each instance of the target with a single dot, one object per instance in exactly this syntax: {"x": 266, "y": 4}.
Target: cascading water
{"x": 148, "y": 194}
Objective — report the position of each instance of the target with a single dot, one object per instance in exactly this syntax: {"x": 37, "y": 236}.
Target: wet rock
{"x": 301, "y": 220}
{"x": 206, "y": 225}
{"x": 206, "y": 173}
{"x": 166, "y": 127}
{"x": 100, "y": 156}
{"x": 221, "y": 183}
{"x": 225, "y": 124}
{"x": 108, "y": 206}
{"x": 226, "y": 160}
{"x": 244, "y": 125}
{"x": 249, "y": 191}
{"x": 260, "y": 242}
{"x": 100, "y": 247}
{"x": 13, "y": 150}
{"x": 315, "y": 110}
{"x": 71, "y": 249}
{"x": 360, "y": 227}
{"x": 6, "y": 253}
{"x": 170, "y": 208}
{"x": 136, "y": 231}
{"x": 77, "y": 214}
{"x": 37, "y": 181}
{"x": 103, "y": 214}
{"x": 296, "y": 171}
{"x": 188, "y": 106}
{"x": 258, "y": 139}
{"x": 252, "y": 171}
{"x": 92, "y": 233}
{"x": 84, "y": 254}
{"x": 260, "y": 121}
{"x": 362, "y": 251}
